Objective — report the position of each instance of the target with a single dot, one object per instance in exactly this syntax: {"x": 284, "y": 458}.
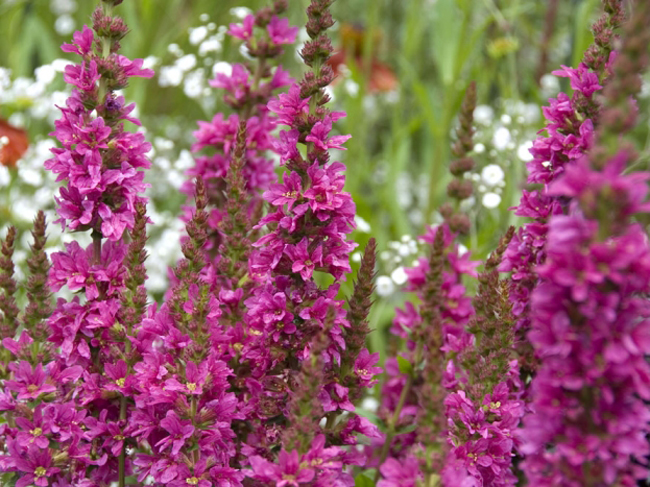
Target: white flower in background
{"x": 197, "y": 34}
{"x": 403, "y": 190}
{"x": 351, "y": 87}
{"x": 491, "y": 200}
{"x": 492, "y": 174}
{"x": 506, "y": 119}
{"x": 150, "y": 62}
{"x": 4, "y": 175}
{"x": 399, "y": 276}
{"x": 462, "y": 250}
{"x": 185, "y": 63}
{"x": 211, "y": 44}
{"x": 59, "y": 65}
{"x": 479, "y": 148}
{"x": 501, "y": 138}
{"x": 370, "y": 404}
{"x": 483, "y": 114}
{"x": 194, "y": 84}
{"x": 356, "y": 257}
{"x": 45, "y": 74}
{"x": 523, "y": 152}
{"x": 384, "y": 286}
{"x": 550, "y": 84}
{"x": 222, "y": 67}
{"x": 170, "y": 76}
{"x": 64, "y": 25}
{"x": 362, "y": 225}
{"x": 385, "y": 255}
{"x": 60, "y": 7}
{"x": 175, "y": 49}
{"x": 240, "y": 12}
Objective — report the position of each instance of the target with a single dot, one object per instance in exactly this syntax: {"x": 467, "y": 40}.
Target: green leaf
{"x": 405, "y": 367}
{"x": 362, "y": 480}
{"x": 407, "y": 429}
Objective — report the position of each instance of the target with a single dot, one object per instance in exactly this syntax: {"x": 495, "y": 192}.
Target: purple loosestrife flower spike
{"x": 484, "y": 411}
{"x": 8, "y": 306}
{"x": 570, "y": 134}
{"x": 39, "y": 296}
{"x": 460, "y": 188}
{"x": 247, "y": 89}
{"x": 589, "y": 397}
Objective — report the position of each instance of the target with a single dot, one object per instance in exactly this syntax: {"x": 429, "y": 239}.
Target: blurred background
{"x": 403, "y": 67}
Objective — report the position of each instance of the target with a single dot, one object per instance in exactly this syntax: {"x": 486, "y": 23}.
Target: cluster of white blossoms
{"x": 193, "y": 69}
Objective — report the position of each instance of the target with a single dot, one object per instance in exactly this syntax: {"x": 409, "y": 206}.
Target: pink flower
{"x": 281, "y": 32}
{"x": 288, "y": 472}
{"x": 243, "y": 31}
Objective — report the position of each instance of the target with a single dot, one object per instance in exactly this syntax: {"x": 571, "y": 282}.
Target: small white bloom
{"x": 501, "y": 138}
{"x": 506, "y": 119}
{"x": 170, "y": 76}
{"x": 523, "y": 152}
{"x": 163, "y": 144}
{"x": 45, "y": 74}
{"x": 492, "y": 174}
{"x": 30, "y": 176}
{"x": 462, "y": 250}
{"x": 351, "y": 87}
{"x": 240, "y": 12}
{"x": 362, "y": 225}
{"x": 479, "y": 148}
{"x": 4, "y": 176}
{"x": 483, "y": 114}
{"x": 356, "y": 257}
{"x": 491, "y": 200}
{"x": 185, "y": 160}
{"x": 197, "y": 34}
{"x": 64, "y": 25}
{"x": 399, "y": 276}
{"x": 186, "y": 62}
{"x": 370, "y": 404}
{"x": 60, "y": 7}
{"x": 550, "y": 84}
{"x": 385, "y": 255}
{"x": 59, "y": 65}
{"x": 193, "y": 84}
{"x": 404, "y": 250}
{"x": 150, "y": 62}
{"x": 211, "y": 44}
{"x": 222, "y": 67}
{"x": 204, "y": 17}
{"x": 175, "y": 49}
{"x": 384, "y": 286}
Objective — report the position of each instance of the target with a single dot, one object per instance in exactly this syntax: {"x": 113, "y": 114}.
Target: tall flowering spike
{"x": 8, "y": 286}
{"x": 570, "y": 135}
{"x": 589, "y": 397}
{"x": 134, "y": 295}
{"x": 39, "y": 295}
{"x": 460, "y": 188}
{"x": 235, "y": 226}
{"x": 247, "y": 89}
{"x": 484, "y": 411}
{"x": 360, "y": 303}
{"x": 620, "y": 112}
{"x": 310, "y": 218}
{"x": 79, "y": 400}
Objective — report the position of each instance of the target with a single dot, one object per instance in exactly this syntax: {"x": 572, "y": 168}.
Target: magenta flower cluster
{"x": 252, "y": 371}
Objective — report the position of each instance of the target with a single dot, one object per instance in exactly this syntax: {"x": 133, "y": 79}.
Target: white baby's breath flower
{"x": 240, "y": 12}
{"x": 193, "y": 84}
{"x": 384, "y": 286}
{"x": 64, "y": 24}
{"x": 185, "y": 63}
{"x": 501, "y": 138}
{"x": 399, "y": 276}
{"x": 479, "y": 148}
{"x": 356, "y": 257}
{"x": 362, "y": 225}
{"x": 491, "y": 200}
{"x": 492, "y": 174}
{"x": 523, "y": 152}
{"x": 170, "y": 76}
{"x": 197, "y": 34}
{"x": 222, "y": 67}
{"x": 483, "y": 114}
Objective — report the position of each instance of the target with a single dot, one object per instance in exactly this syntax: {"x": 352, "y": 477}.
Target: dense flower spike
{"x": 589, "y": 397}
{"x": 8, "y": 306}
{"x": 570, "y": 134}
{"x": 248, "y": 88}
{"x": 254, "y": 372}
